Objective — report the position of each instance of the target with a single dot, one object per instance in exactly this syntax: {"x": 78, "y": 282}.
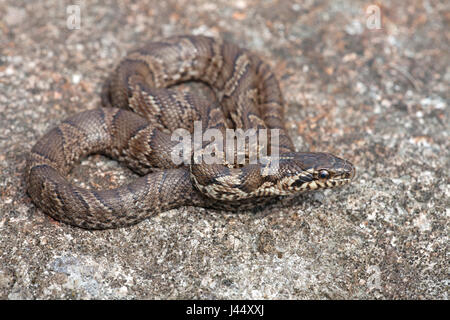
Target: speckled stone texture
{"x": 378, "y": 97}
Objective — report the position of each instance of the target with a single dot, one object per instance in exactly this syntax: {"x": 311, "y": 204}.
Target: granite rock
{"x": 378, "y": 97}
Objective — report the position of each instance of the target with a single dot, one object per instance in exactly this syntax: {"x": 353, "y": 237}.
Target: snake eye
{"x": 324, "y": 174}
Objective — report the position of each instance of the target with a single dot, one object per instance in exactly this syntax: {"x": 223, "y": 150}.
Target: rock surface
{"x": 378, "y": 97}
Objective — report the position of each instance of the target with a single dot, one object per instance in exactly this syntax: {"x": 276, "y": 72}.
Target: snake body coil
{"x": 247, "y": 96}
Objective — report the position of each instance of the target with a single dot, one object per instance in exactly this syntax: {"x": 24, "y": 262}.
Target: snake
{"x": 141, "y": 108}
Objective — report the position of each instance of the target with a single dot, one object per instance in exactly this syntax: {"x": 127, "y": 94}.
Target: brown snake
{"x": 247, "y": 96}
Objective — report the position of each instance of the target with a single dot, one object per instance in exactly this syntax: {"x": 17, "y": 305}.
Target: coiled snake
{"x": 247, "y": 96}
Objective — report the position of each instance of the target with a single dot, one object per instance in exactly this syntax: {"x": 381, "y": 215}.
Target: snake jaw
{"x": 319, "y": 184}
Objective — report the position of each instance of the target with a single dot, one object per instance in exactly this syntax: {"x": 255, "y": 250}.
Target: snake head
{"x": 302, "y": 171}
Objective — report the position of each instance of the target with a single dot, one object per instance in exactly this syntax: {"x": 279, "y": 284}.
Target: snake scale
{"x": 141, "y": 110}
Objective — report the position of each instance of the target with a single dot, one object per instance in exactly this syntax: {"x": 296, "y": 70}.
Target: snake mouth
{"x": 328, "y": 184}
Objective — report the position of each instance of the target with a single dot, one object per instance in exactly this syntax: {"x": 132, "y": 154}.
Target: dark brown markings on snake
{"x": 274, "y": 119}
{"x": 105, "y": 92}
{"x": 222, "y": 48}
{"x": 251, "y": 117}
{"x": 139, "y": 125}
{"x": 206, "y": 179}
{"x": 87, "y": 224}
{"x": 116, "y": 116}
{"x": 80, "y": 198}
{"x": 301, "y": 180}
{"x": 257, "y": 66}
{"x": 58, "y": 194}
{"x": 175, "y": 100}
{"x": 214, "y": 66}
{"x": 153, "y": 48}
{"x": 153, "y": 103}
{"x": 268, "y": 76}
{"x": 245, "y": 187}
{"x": 37, "y": 149}
{"x": 201, "y": 45}
{"x": 190, "y": 102}
{"x": 134, "y": 190}
{"x": 34, "y": 172}
{"x": 189, "y": 51}
{"x": 238, "y": 73}
{"x": 157, "y": 103}
{"x": 118, "y": 198}
{"x": 161, "y": 182}
{"x": 102, "y": 117}
{"x": 151, "y": 141}
{"x": 72, "y": 123}
{"x": 136, "y": 101}
{"x": 102, "y": 201}
{"x": 124, "y": 141}
{"x": 58, "y": 131}
{"x": 128, "y": 69}
{"x": 41, "y": 167}
{"x": 196, "y": 45}
{"x": 218, "y": 126}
